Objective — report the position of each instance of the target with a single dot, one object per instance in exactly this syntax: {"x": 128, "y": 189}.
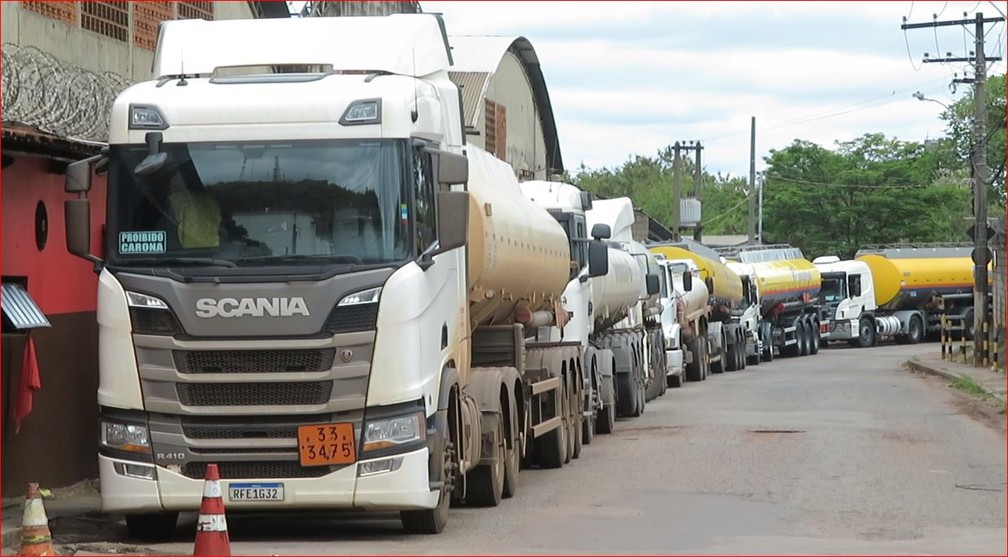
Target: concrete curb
{"x": 913, "y": 364}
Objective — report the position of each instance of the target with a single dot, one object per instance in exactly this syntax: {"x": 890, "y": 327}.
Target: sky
{"x": 628, "y": 78}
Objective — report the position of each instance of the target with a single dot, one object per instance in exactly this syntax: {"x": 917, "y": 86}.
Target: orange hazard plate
{"x": 325, "y": 444}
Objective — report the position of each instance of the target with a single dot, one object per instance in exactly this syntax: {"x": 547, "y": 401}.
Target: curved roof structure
{"x": 476, "y": 59}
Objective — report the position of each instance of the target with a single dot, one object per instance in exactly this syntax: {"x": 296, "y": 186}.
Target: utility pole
{"x": 698, "y": 192}
{"x": 759, "y": 229}
{"x": 676, "y": 189}
{"x": 752, "y": 183}
{"x": 981, "y": 251}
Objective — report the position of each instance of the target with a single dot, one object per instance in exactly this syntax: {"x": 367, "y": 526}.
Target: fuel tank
{"x": 782, "y": 275}
{"x": 727, "y": 286}
{"x": 615, "y": 292}
{"x": 518, "y": 254}
{"x": 904, "y": 283}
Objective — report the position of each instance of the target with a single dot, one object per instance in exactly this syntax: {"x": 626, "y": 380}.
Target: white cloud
{"x": 628, "y": 78}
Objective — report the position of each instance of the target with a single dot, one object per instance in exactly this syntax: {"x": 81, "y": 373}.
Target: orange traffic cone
{"x": 36, "y": 539}
{"x": 211, "y": 527}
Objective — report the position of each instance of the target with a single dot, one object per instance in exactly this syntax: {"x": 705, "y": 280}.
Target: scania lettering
{"x": 258, "y": 307}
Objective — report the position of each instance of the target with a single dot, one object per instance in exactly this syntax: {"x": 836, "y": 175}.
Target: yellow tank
{"x": 782, "y": 275}
{"x": 518, "y": 253}
{"x": 727, "y": 284}
{"x": 905, "y": 283}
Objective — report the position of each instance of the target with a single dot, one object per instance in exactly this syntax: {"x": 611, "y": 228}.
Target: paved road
{"x": 843, "y": 452}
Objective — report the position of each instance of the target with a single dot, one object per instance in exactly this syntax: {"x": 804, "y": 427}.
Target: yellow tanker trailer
{"x": 912, "y": 286}
{"x": 786, "y": 289}
{"x": 726, "y": 343}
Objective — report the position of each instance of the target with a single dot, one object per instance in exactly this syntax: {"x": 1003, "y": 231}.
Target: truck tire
{"x": 512, "y": 456}
{"x": 674, "y": 381}
{"x": 151, "y": 526}
{"x": 969, "y": 328}
{"x": 485, "y": 483}
{"x": 606, "y": 420}
{"x": 804, "y": 340}
{"x": 815, "y": 337}
{"x": 732, "y": 364}
{"x": 433, "y": 521}
{"x": 588, "y": 424}
{"x": 719, "y": 366}
{"x": 866, "y": 334}
{"x": 915, "y": 331}
{"x": 695, "y": 370}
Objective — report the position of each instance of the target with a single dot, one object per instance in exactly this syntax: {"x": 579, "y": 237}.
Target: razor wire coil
{"x": 58, "y": 97}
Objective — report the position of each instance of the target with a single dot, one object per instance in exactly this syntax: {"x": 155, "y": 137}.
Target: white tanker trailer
{"x": 632, "y": 332}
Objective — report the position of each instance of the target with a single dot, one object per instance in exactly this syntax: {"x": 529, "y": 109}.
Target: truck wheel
{"x": 485, "y": 483}
{"x": 732, "y": 352}
{"x": 804, "y": 340}
{"x": 969, "y": 328}
{"x": 512, "y": 456}
{"x": 674, "y": 381}
{"x": 815, "y": 337}
{"x": 606, "y": 420}
{"x": 626, "y": 398}
{"x": 740, "y": 352}
{"x": 551, "y": 448}
{"x": 719, "y": 366}
{"x": 153, "y": 526}
{"x": 866, "y": 333}
{"x": 915, "y": 331}
{"x": 433, "y": 521}
{"x": 588, "y": 424}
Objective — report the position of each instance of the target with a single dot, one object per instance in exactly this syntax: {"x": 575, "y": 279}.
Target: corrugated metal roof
{"x": 19, "y": 308}
{"x": 474, "y": 85}
{"x": 483, "y": 54}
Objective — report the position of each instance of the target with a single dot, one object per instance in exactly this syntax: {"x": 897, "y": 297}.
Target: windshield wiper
{"x": 187, "y": 261}
{"x": 303, "y": 258}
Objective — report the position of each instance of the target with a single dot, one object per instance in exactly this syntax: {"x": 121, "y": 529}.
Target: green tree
{"x": 871, "y": 190}
{"x": 959, "y": 126}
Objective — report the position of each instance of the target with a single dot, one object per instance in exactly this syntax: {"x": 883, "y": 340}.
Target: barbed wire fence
{"x": 56, "y": 96}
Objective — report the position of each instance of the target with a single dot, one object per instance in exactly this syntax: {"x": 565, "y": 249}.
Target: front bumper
{"x": 406, "y": 488}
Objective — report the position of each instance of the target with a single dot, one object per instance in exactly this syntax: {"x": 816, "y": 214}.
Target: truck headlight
{"x": 364, "y": 111}
{"x": 369, "y": 296}
{"x": 138, "y": 300}
{"x": 146, "y": 117}
{"x": 131, "y": 438}
{"x": 385, "y": 433}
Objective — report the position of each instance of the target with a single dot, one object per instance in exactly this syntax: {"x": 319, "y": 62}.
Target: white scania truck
{"x": 310, "y": 280}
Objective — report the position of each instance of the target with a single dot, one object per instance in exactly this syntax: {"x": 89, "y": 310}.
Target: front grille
{"x": 253, "y": 361}
{"x": 247, "y": 427}
{"x": 263, "y": 450}
{"x": 254, "y": 394}
{"x": 352, "y": 319}
{"x": 148, "y": 321}
{"x": 256, "y": 470}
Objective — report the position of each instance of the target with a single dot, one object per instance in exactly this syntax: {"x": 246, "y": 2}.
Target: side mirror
{"x": 453, "y": 219}
{"x": 77, "y": 214}
{"x": 77, "y": 178}
{"x": 687, "y": 281}
{"x": 601, "y": 231}
{"x": 652, "y": 283}
{"x": 586, "y": 201}
{"x": 452, "y": 169}
{"x": 598, "y": 259}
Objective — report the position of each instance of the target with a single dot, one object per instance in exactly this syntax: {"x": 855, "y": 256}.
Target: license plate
{"x": 256, "y": 492}
{"x": 325, "y": 444}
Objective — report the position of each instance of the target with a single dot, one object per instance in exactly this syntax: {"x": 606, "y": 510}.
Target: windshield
{"x": 263, "y": 203}
{"x": 834, "y": 288}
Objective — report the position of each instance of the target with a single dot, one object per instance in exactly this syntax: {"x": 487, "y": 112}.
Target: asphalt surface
{"x": 845, "y": 452}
